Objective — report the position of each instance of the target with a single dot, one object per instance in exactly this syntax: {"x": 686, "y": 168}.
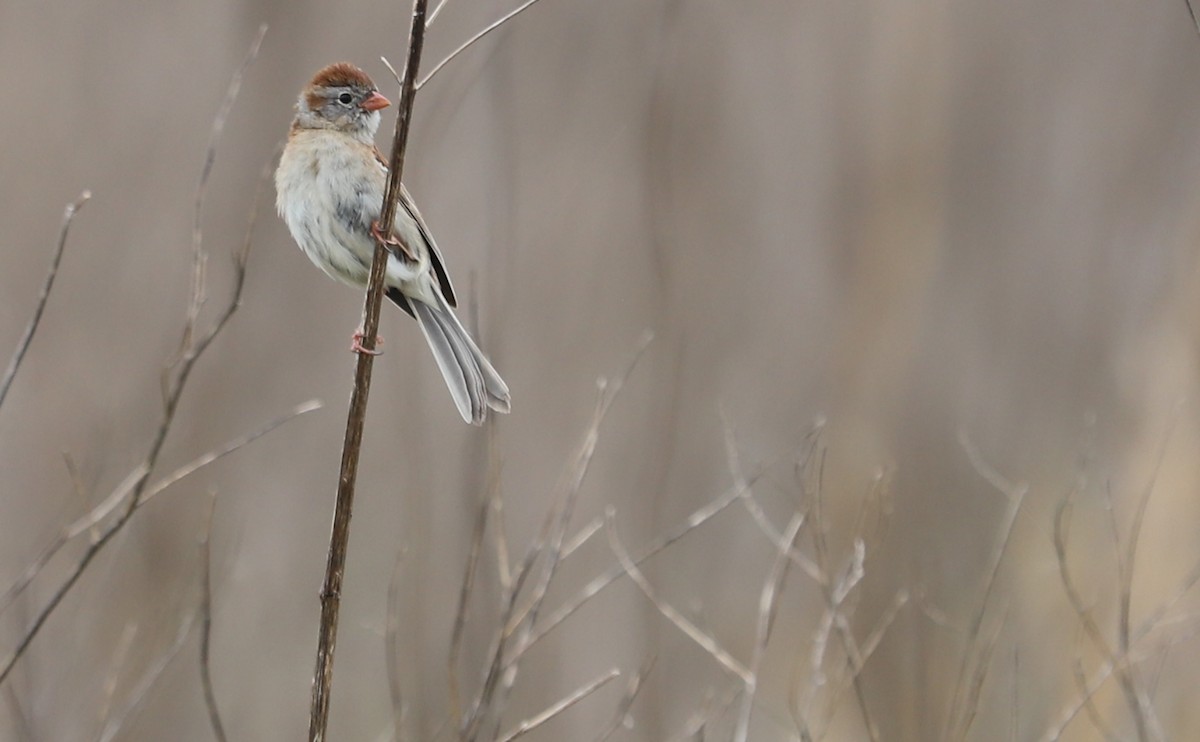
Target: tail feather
{"x": 474, "y": 384}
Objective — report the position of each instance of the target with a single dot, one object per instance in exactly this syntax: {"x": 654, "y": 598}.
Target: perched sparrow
{"x": 330, "y": 185}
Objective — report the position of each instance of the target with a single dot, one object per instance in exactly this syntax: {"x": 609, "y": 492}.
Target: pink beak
{"x": 375, "y": 101}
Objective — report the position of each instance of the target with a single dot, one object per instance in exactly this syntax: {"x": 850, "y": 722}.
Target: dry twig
{"x": 174, "y": 381}
{"x": 621, "y": 717}
{"x": 706, "y": 641}
{"x": 27, "y": 337}
{"x": 766, "y": 617}
{"x": 469, "y": 42}
{"x": 536, "y": 721}
{"x": 516, "y": 633}
{"x": 978, "y": 649}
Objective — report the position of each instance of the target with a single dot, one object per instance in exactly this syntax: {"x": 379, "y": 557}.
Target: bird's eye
{"x": 345, "y": 99}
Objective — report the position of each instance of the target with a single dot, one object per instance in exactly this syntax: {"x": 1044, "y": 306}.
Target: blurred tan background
{"x": 911, "y": 220}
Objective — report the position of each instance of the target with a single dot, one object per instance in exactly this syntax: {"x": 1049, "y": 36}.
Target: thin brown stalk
{"x": 335, "y": 568}
{"x": 583, "y": 692}
{"x": 174, "y": 381}
{"x": 210, "y": 697}
{"x": 471, "y": 41}
{"x": 14, "y": 363}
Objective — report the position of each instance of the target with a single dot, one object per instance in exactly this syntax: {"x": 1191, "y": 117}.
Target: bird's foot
{"x": 391, "y": 242}
{"x": 356, "y": 345}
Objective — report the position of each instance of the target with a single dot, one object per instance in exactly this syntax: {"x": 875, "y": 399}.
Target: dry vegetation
{"x": 885, "y": 314}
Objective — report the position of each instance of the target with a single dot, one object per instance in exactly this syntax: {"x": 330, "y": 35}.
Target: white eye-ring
{"x": 345, "y": 99}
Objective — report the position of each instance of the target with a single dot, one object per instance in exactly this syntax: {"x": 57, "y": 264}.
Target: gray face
{"x": 338, "y": 107}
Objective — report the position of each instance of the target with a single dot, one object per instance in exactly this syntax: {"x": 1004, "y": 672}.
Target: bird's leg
{"x": 392, "y": 242}
{"x": 356, "y": 345}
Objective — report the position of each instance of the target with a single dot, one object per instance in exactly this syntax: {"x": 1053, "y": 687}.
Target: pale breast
{"x": 328, "y": 191}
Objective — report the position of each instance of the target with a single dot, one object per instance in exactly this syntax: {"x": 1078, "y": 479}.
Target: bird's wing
{"x": 435, "y": 255}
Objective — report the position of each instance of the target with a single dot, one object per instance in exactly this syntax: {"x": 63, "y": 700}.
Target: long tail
{"x": 474, "y": 384}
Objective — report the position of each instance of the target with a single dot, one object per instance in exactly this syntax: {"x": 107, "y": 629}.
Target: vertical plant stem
{"x": 331, "y": 590}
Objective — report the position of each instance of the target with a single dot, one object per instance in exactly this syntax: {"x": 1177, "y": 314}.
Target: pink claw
{"x": 356, "y": 345}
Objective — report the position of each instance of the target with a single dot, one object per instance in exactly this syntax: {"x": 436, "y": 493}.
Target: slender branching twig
{"x": 88, "y": 522}
{"x": 706, "y": 641}
{"x": 174, "y": 381}
{"x": 27, "y": 337}
{"x": 616, "y": 572}
{"x": 516, "y": 632}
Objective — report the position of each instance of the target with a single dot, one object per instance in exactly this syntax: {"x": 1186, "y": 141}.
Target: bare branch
{"x": 615, "y": 572}
{"x": 536, "y": 721}
{"x": 172, "y": 388}
{"x": 755, "y": 509}
{"x": 467, "y": 44}
{"x": 43, "y": 296}
{"x": 436, "y": 12}
{"x": 518, "y": 623}
{"x": 707, "y": 642}
{"x": 93, "y": 518}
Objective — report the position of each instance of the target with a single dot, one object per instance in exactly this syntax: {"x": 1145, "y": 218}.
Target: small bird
{"x": 329, "y": 187}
